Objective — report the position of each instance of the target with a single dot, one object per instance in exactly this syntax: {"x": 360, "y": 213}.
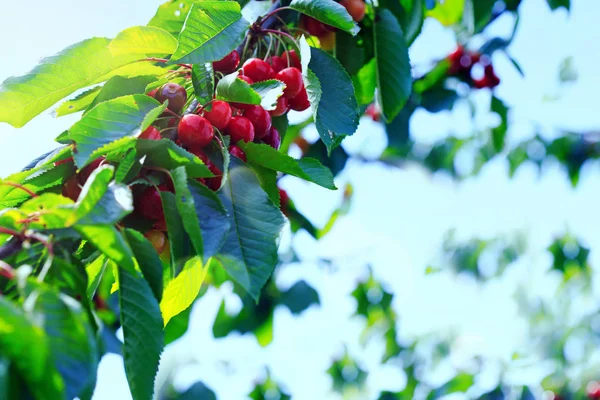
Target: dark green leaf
{"x": 268, "y": 182}
{"x": 203, "y": 80}
{"x": 171, "y": 15}
{"x": 148, "y": 260}
{"x": 554, "y": 4}
{"x": 187, "y": 210}
{"x": 394, "y": 79}
{"x": 198, "y": 391}
{"x": 349, "y": 53}
{"x": 166, "y": 154}
{"x": 438, "y": 99}
{"x": 299, "y": 297}
{"x": 250, "y": 252}
{"x": 123, "y": 117}
{"x": 327, "y": 11}
{"x": 410, "y": 14}
{"x": 212, "y": 30}
{"x": 499, "y": 132}
{"x": 306, "y": 168}
{"x": 336, "y": 114}
{"x": 142, "y": 332}
{"x": 181, "y": 247}
{"x": 214, "y": 221}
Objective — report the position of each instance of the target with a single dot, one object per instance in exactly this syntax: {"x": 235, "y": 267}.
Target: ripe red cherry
{"x": 71, "y": 188}
{"x": 151, "y": 134}
{"x": 152, "y": 92}
{"x": 219, "y": 114}
{"x": 260, "y": 119}
{"x": 314, "y": 26}
{"x": 277, "y": 63}
{"x": 215, "y": 182}
{"x": 284, "y": 201}
{"x": 173, "y": 92}
{"x": 300, "y": 102}
{"x": 86, "y": 171}
{"x": 149, "y": 204}
{"x": 273, "y": 139}
{"x": 237, "y": 152}
{"x": 282, "y": 107}
{"x": 195, "y": 131}
{"x": 356, "y": 8}
{"x": 246, "y": 79}
{"x": 292, "y": 58}
{"x": 240, "y": 128}
{"x": 227, "y": 64}
{"x": 258, "y": 70}
{"x": 373, "y": 112}
{"x": 157, "y": 238}
{"x": 292, "y": 77}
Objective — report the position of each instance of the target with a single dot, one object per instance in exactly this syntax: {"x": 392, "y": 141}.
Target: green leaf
{"x": 56, "y": 77}
{"x": 187, "y": 210}
{"x": 336, "y": 114}
{"x": 212, "y": 30}
{"x": 148, "y": 260}
{"x": 299, "y": 297}
{"x": 26, "y": 346}
{"x": 349, "y": 53}
{"x": 181, "y": 292}
{"x": 269, "y": 91}
{"x": 307, "y": 168}
{"x": 143, "y": 41}
{"x": 115, "y": 119}
{"x": 203, "y": 79}
{"x": 365, "y": 83}
{"x": 180, "y": 245}
{"x": 268, "y": 182}
{"x": 448, "y": 12}
{"x": 327, "y": 11}
{"x": 166, "y": 154}
{"x": 177, "y": 326}
{"x": 110, "y": 242}
{"x": 250, "y": 252}
{"x": 142, "y": 332}
{"x": 79, "y": 103}
{"x": 394, "y": 79}
{"x": 94, "y": 272}
{"x": 118, "y": 86}
{"x": 499, "y": 132}
{"x": 411, "y": 15}
{"x": 71, "y": 340}
{"x": 171, "y": 15}
{"x": 231, "y": 89}
{"x": 554, "y": 4}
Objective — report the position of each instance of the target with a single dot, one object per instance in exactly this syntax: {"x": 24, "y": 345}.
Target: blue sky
{"x": 399, "y": 216}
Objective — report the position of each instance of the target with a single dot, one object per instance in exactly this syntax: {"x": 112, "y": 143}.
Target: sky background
{"x": 399, "y": 216}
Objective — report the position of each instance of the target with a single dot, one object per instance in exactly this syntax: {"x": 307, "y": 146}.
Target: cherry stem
{"x": 272, "y": 13}
{"x": 10, "y": 232}
{"x": 172, "y": 113}
{"x": 201, "y": 107}
{"x": 19, "y": 186}
{"x": 6, "y": 270}
{"x": 276, "y": 32}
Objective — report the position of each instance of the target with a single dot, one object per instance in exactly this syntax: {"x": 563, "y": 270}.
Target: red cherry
{"x": 373, "y": 112}
{"x": 246, "y": 79}
{"x": 261, "y": 120}
{"x": 258, "y": 70}
{"x": 292, "y": 58}
{"x": 201, "y": 155}
{"x": 219, "y": 114}
{"x": 313, "y": 26}
{"x": 282, "y": 107}
{"x": 173, "y": 92}
{"x": 292, "y": 77}
{"x": 157, "y": 238}
{"x": 71, "y": 188}
{"x": 284, "y": 201}
{"x": 240, "y": 128}
{"x": 215, "y": 182}
{"x": 273, "y": 139}
{"x": 151, "y": 134}
{"x": 356, "y": 8}
{"x": 237, "y": 152}
{"x": 277, "y": 63}
{"x": 86, "y": 171}
{"x": 195, "y": 131}
{"x": 152, "y": 93}
{"x": 227, "y": 64}
{"x": 300, "y": 102}
{"x": 149, "y": 204}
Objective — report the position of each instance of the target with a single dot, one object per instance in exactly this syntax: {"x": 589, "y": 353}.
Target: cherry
{"x": 173, "y": 92}
{"x": 157, "y": 238}
{"x": 151, "y": 134}
{"x": 152, "y": 92}
{"x": 292, "y": 77}
{"x": 246, "y": 79}
{"x": 314, "y": 26}
{"x": 258, "y": 70}
{"x": 284, "y": 201}
{"x": 373, "y": 112}
{"x": 273, "y": 139}
{"x": 219, "y": 114}
{"x": 227, "y": 64}
{"x": 71, "y": 188}
{"x": 195, "y": 131}
{"x": 300, "y": 102}
{"x": 282, "y": 107}
{"x": 86, "y": 171}
{"x": 491, "y": 76}
{"x": 292, "y": 58}
{"x": 201, "y": 155}
{"x": 149, "y": 204}
{"x": 240, "y": 128}
{"x": 356, "y": 8}
{"x": 327, "y": 41}
{"x": 237, "y": 152}
{"x": 215, "y": 182}
{"x": 260, "y": 119}
{"x": 277, "y": 63}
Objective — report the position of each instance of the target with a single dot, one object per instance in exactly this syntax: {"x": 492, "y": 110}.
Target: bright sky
{"x": 399, "y": 217}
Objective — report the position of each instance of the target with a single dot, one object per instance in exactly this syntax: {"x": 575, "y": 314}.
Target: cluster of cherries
{"x": 326, "y": 33}
{"x": 462, "y": 62}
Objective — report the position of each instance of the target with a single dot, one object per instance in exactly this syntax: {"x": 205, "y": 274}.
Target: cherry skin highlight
{"x": 292, "y": 77}
{"x": 195, "y": 131}
{"x": 240, "y": 128}
{"x": 260, "y": 119}
{"x": 219, "y": 114}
